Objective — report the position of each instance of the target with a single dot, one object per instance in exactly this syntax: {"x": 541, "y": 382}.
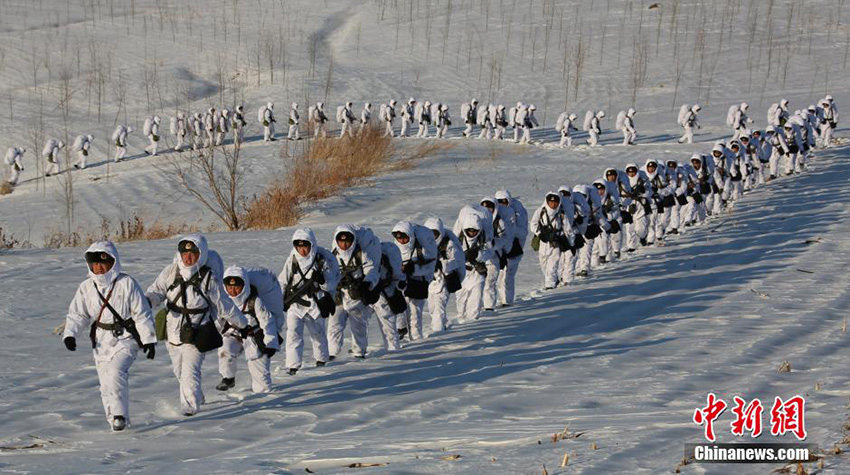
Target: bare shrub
{"x": 134, "y": 228}
{"x": 7, "y": 241}
{"x": 57, "y": 239}
{"x": 6, "y": 188}
{"x": 326, "y": 167}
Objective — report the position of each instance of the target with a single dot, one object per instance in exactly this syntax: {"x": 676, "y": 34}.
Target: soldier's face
{"x": 302, "y": 250}
{"x": 100, "y": 268}
{"x": 233, "y": 290}
{"x": 631, "y": 172}
{"x": 189, "y": 258}
{"x": 343, "y": 245}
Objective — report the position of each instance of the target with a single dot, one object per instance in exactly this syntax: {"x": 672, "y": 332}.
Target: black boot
{"x": 401, "y": 333}
{"x": 226, "y": 383}
{"x": 319, "y": 364}
{"x": 292, "y": 371}
{"x": 118, "y": 423}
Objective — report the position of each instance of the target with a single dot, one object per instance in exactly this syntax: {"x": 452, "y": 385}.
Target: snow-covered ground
{"x": 624, "y": 357}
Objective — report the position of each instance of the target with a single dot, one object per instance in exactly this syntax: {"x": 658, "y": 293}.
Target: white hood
{"x": 304, "y": 234}
{"x": 103, "y": 281}
{"x": 407, "y": 228}
{"x": 470, "y": 221}
{"x": 236, "y": 271}
{"x": 345, "y": 228}
{"x": 504, "y": 195}
{"x": 549, "y": 211}
{"x": 201, "y": 242}
{"x": 436, "y": 224}
{"x": 650, "y": 174}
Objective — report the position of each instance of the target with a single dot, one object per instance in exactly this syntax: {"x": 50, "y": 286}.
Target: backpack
{"x": 484, "y": 114}
{"x": 621, "y": 120}
{"x": 261, "y": 114}
{"x": 683, "y": 114}
{"x": 78, "y": 143}
{"x": 9, "y": 159}
{"x": 369, "y": 243}
{"x": 588, "y": 119}
{"x": 773, "y": 114}
{"x": 730, "y": 115}
{"x": 559, "y": 125}
{"x": 268, "y": 289}
{"x": 48, "y": 147}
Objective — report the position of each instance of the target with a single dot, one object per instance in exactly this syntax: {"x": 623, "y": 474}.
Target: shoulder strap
{"x": 250, "y": 302}
{"x": 127, "y": 324}
{"x": 443, "y": 247}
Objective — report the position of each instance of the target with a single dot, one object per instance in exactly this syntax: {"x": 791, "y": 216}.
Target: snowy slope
{"x": 624, "y": 357}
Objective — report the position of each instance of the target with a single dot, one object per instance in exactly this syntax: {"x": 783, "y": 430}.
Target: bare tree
{"x": 214, "y": 177}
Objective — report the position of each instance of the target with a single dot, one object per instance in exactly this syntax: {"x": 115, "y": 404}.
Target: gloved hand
{"x": 578, "y": 241}
{"x": 269, "y": 352}
{"x": 70, "y": 343}
{"x": 401, "y": 284}
{"x": 481, "y": 268}
{"x": 149, "y": 350}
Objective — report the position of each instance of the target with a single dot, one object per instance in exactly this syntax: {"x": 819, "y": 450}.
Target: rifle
{"x": 307, "y": 287}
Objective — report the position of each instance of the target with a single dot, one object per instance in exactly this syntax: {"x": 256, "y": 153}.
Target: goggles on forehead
{"x": 99, "y": 257}
{"x": 345, "y": 237}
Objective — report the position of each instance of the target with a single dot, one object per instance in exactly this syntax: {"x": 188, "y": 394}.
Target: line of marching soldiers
{"x": 592, "y": 225}
{"x": 251, "y": 312}
{"x": 243, "y": 311}
{"x": 211, "y": 127}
